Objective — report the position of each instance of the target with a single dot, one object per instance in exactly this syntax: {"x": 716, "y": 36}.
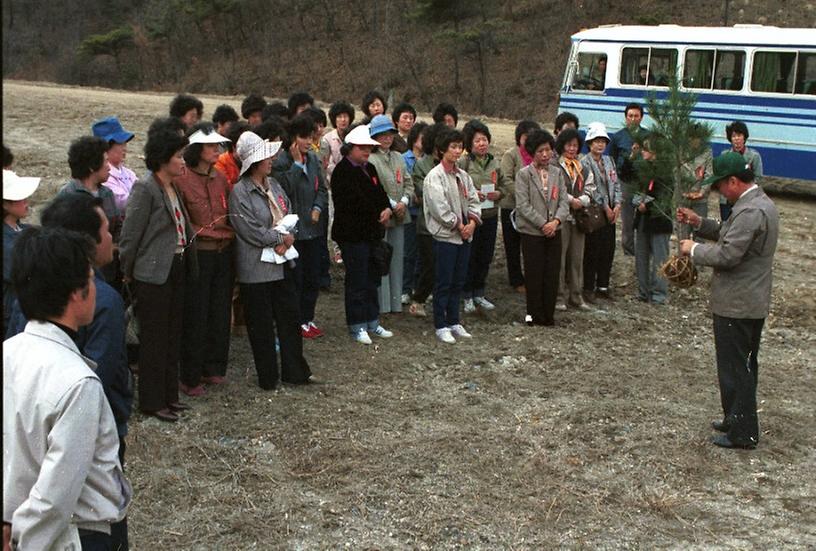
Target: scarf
{"x": 574, "y": 170}
{"x": 526, "y": 158}
{"x": 277, "y": 205}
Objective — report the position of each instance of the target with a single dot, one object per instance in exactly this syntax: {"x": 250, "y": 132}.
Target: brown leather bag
{"x": 591, "y": 218}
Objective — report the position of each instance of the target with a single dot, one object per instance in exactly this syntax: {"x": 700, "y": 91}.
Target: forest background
{"x": 502, "y": 58}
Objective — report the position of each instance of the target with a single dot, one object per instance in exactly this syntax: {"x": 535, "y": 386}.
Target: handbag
{"x": 589, "y": 219}
{"x": 381, "y": 252}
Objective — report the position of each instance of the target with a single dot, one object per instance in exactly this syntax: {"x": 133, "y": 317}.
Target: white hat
{"x": 16, "y": 188}
{"x": 596, "y": 130}
{"x": 360, "y": 136}
{"x": 250, "y": 148}
{"x": 213, "y": 137}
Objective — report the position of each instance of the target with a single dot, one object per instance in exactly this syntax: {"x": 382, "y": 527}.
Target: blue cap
{"x": 380, "y": 124}
{"x": 110, "y": 130}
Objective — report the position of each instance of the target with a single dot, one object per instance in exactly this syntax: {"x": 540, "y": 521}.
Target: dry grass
{"x": 589, "y": 434}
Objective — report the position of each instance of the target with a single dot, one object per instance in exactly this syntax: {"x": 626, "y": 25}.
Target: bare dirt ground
{"x": 592, "y": 434}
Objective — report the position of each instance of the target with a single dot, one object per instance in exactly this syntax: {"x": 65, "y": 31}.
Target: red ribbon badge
{"x": 223, "y": 202}
{"x": 374, "y": 179}
{"x": 493, "y": 177}
{"x": 316, "y": 183}
{"x": 282, "y": 204}
{"x": 554, "y": 193}
{"x": 399, "y": 176}
{"x": 651, "y": 185}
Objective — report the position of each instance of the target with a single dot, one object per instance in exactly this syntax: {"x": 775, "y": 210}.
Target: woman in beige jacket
{"x": 541, "y": 208}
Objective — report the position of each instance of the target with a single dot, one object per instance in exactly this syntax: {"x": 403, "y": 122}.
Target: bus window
{"x": 591, "y": 73}
{"x": 773, "y": 72}
{"x": 698, "y": 69}
{"x": 647, "y": 66}
{"x": 730, "y": 70}
{"x": 806, "y": 74}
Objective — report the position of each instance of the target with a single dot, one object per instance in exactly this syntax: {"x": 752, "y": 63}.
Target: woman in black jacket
{"x": 361, "y": 211}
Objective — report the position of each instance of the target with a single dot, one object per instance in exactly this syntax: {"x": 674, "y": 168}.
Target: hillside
{"x": 503, "y": 58}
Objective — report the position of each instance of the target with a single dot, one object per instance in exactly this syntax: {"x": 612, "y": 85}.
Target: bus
{"x": 764, "y": 76}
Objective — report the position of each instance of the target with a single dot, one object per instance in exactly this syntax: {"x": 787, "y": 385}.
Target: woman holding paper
{"x": 485, "y": 171}
{"x": 258, "y": 206}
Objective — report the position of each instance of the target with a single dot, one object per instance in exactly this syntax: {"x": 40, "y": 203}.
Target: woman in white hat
{"x": 207, "y": 299}
{"x": 599, "y": 246}
{"x": 16, "y": 191}
{"x": 361, "y": 213}
{"x": 399, "y": 186}
{"x": 257, "y": 206}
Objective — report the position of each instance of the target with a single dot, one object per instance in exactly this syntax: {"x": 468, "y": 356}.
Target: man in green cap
{"x": 742, "y": 259}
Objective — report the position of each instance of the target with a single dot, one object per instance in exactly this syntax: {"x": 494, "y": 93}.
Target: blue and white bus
{"x": 763, "y": 76}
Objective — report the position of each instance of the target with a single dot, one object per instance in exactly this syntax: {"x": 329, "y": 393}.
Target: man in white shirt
{"x": 63, "y": 483}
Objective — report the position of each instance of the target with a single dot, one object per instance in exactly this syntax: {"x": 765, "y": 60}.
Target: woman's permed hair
{"x": 160, "y": 148}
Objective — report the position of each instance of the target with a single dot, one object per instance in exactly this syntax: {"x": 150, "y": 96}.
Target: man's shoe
{"x": 560, "y": 306}
{"x": 720, "y": 426}
{"x": 483, "y": 303}
{"x": 316, "y": 331}
{"x": 214, "y": 380}
{"x": 445, "y": 335}
{"x": 306, "y": 331}
{"x": 362, "y": 337}
{"x": 382, "y": 332}
{"x": 584, "y": 307}
{"x": 528, "y": 320}
{"x": 521, "y": 289}
{"x": 589, "y": 296}
{"x": 459, "y": 331}
{"x": 470, "y": 307}
{"x": 405, "y": 299}
{"x": 722, "y": 441}
{"x": 178, "y": 406}
{"x": 603, "y": 292}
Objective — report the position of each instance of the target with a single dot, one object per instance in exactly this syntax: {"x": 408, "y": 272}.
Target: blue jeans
{"x": 450, "y": 271}
{"x": 651, "y": 251}
{"x": 481, "y": 255}
{"x": 362, "y": 301}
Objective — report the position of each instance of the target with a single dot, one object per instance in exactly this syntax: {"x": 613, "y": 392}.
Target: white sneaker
{"x": 444, "y": 335}
{"x": 470, "y": 308}
{"x": 362, "y": 337}
{"x": 405, "y": 298}
{"x": 459, "y": 331}
{"x": 381, "y": 331}
{"x": 483, "y": 303}
{"x": 560, "y": 306}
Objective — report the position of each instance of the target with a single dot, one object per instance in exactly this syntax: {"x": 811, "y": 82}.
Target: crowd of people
{"x": 237, "y": 221}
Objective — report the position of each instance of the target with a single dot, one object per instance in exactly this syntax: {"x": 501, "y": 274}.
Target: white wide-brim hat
{"x": 360, "y": 136}
{"x": 251, "y": 149}
{"x": 213, "y": 137}
{"x": 596, "y": 130}
{"x": 17, "y": 188}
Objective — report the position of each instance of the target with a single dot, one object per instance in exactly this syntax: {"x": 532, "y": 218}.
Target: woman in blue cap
{"x": 399, "y": 186}
{"x": 121, "y": 179}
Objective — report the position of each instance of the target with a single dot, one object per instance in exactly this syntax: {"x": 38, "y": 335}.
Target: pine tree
{"x": 677, "y": 139}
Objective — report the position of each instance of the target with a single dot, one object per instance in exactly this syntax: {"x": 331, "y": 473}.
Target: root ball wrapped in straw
{"x": 679, "y": 271}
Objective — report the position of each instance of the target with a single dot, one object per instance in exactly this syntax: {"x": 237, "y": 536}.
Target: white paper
{"x": 487, "y": 188}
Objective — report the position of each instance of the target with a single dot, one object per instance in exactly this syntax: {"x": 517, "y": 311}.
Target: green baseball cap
{"x": 727, "y": 164}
